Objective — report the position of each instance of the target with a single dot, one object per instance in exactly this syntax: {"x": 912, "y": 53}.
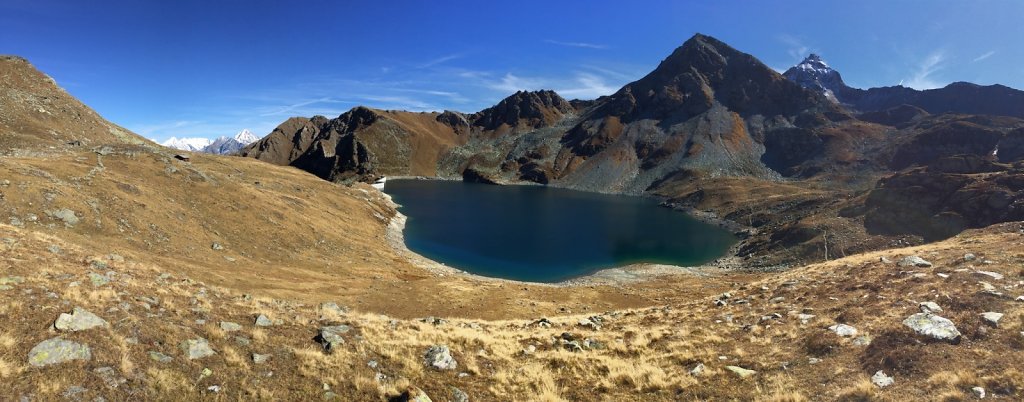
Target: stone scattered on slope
{"x": 98, "y": 280}
{"x": 332, "y": 309}
{"x": 740, "y": 371}
{"x": 914, "y": 261}
{"x": 228, "y": 326}
{"x": 263, "y": 321}
{"x": 79, "y": 320}
{"x": 439, "y": 357}
{"x": 930, "y": 307}
{"x": 881, "y": 380}
{"x": 969, "y": 257}
{"x": 56, "y": 351}
{"x": 66, "y": 215}
{"x": 844, "y": 330}
{"x": 933, "y": 326}
{"x": 459, "y": 395}
{"x": 412, "y": 394}
{"x": 992, "y": 318}
{"x": 994, "y": 275}
{"x": 697, "y": 370}
{"x": 330, "y": 336}
{"x": 110, "y": 377}
{"x": 196, "y": 348}
{"x": 979, "y": 392}
{"x": 259, "y": 358}
{"x": 159, "y": 357}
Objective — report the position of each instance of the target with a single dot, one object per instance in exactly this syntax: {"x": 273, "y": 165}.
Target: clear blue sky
{"x": 209, "y": 68}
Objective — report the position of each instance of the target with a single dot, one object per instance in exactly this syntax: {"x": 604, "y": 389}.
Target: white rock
{"x": 843, "y": 330}
{"x": 697, "y": 370}
{"x": 881, "y": 380}
{"x": 994, "y": 275}
{"x": 979, "y": 392}
{"x": 930, "y": 307}
{"x": 992, "y": 318}
{"x": 933, "y": 326}
{"x": 914, "y": 261}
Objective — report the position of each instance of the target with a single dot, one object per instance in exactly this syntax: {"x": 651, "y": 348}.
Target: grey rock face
{"x": 196, "y": 348}
{"x": 64, "y": 214}
{"x": 56, "y": 351}
{"x": 933, "y": 326}
{"x": 440, "y": 358}
{"x": 79, "y": 320}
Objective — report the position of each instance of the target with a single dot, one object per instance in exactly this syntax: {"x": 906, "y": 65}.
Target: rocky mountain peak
{"x": 530, "y": 108}
{"x": 704, "y": 72}
{"x": 814, "y": 74}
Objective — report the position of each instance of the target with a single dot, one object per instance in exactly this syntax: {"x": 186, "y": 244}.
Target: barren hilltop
{"x": 883, "y": 253}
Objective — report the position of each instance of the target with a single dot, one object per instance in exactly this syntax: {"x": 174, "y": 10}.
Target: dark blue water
{"x": 542, "y": 234}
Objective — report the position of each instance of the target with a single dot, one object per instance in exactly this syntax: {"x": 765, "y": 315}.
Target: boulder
{"x": 439, "y": 357}
{"x": 979, "y": 392}
{"x": 992, "y": 318}
{"x": 740, "y": 371}
{"x": 196, "y": 348}
{"x": 227, "y": 326}
{"x": 930, "y": 307}
{"x": 881, "y": 380}
{"x": 159, "y": 357}
{"x": 56, "y": 351}
{"x": 933, "y": 326}
{"x": 259, "y": 358}
{"x": 263, "y": 321}
{"x": 330, "y": 338}
{"x": 914, "y": 261}
{"x": 459, "y": 395}
{"x": 843, "y": 330}
{"x": 78, "y": 320}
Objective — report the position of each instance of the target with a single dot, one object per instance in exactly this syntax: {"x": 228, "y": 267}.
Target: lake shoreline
{"x": 614, "y": 276}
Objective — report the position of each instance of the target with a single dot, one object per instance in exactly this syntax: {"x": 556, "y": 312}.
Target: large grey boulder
{"x": 196, "y": 348}
{"x": 79, "y": 320}
{"x": 933, "y": 326}
{"x": 914, "y": 261}
{"x": 330, "y": 337}
{"x": 56, "y": 351}
{"x": 439, "y": 357}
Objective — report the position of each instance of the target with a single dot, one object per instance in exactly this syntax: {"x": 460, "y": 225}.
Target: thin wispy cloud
{"x": 576, "y": 44}
{"x": 984, "y": 56}
{"x": 440, "y": 60}
{"x": 796, "y": 49}
{"x": 923, "y": 75}
{"x": 580, "y": 84}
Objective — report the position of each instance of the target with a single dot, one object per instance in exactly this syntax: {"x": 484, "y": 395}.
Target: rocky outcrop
{"x": 524, "y": 110}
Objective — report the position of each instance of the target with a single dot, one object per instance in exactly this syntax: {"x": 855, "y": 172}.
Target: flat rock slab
{"x": 914, "y": 261}
{"x": 196, "y": 348}
{"x": 330, "y": 337}
{"x": 844, "y": 330}
{"x": 933, "y": 326}
{"x": 56, "y": 351}
{"x": 79, "y": 320}
{"x": 740, "y": 371}
{"x": 230, "y": 326}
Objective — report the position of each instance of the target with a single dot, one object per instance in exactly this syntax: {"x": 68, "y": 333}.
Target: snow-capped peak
{"x": 814, "y": 64}
{"x": 246, "y": 137}
{"x": 187, "y": 144}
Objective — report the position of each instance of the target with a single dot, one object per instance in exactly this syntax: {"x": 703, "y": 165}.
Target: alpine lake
{"x": 546, "y": 234}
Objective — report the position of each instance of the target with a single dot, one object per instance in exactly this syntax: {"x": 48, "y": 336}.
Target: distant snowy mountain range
{"x": 221, "y": 146}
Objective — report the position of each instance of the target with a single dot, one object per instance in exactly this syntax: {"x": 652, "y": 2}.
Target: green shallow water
{"x": 544, "y": 234}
